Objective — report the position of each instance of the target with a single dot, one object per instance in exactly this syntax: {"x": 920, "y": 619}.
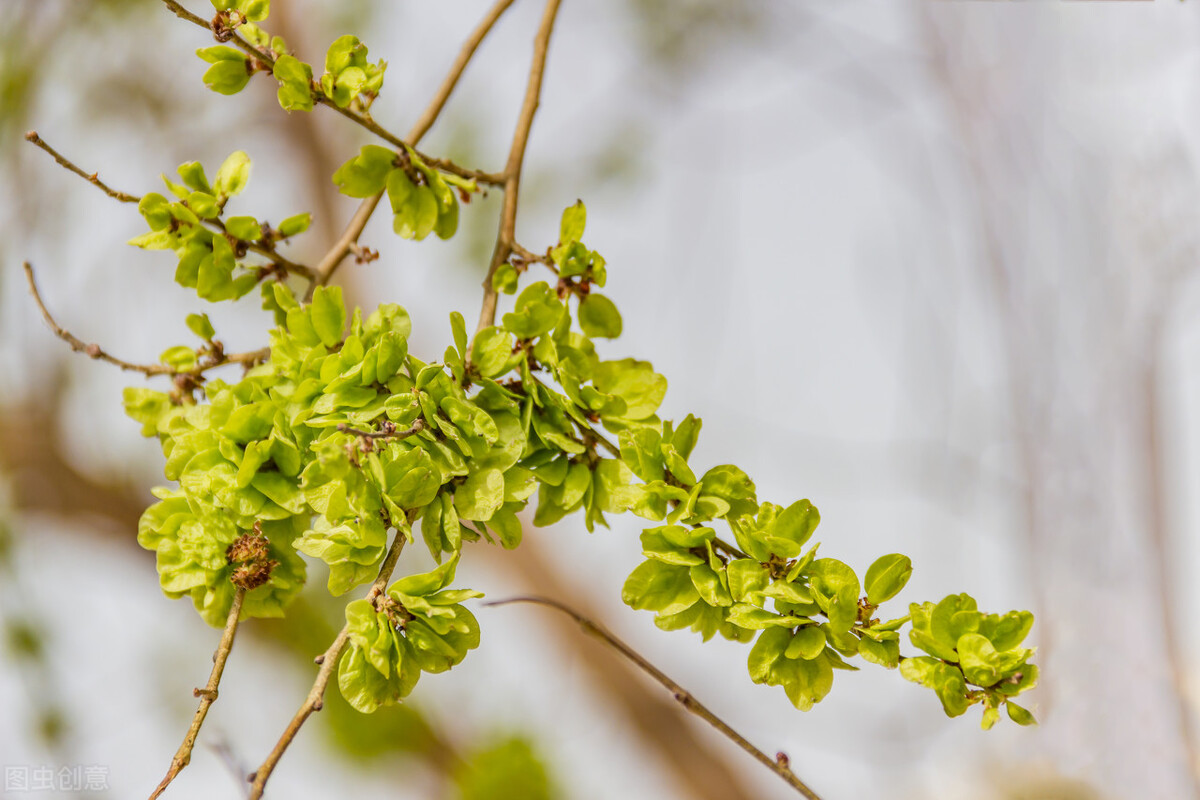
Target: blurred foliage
{"x": 25, "y": 646}
{"x": 507, "y": 769}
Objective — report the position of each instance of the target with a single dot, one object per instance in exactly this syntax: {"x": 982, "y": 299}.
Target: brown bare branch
{"x": 516, "y": 157}
{"x": 207, "y": 695}
{"x": 92, "y": 178}
{"x": 94, "y": 350}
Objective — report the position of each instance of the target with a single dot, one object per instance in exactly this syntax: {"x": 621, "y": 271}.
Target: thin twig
{"x": 342, "y": 247}
{"x": 349, "y": 238}
{"x": 267, "y": 251}
{"x": 268, "y": 61}
{"x": 94, "y": 351}
{"x": 207, "y": 695}
{"x": 328, "y": 661}
{"x": 778, "y": 765}
{"x": 387, "y": 430}
{"x": 92, "y": 178}
{"x": 516, "y": 156}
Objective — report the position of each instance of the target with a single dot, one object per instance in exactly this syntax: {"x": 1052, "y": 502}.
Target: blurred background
{"x": 931, "y": 265}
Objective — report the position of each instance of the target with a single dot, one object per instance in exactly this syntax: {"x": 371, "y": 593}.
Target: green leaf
{"x": 807, "y": 643}
{"x": 752, "y": 618}
{"x": 255, "y": 10}
{"x": 200, "y": 325}
{"x": 328, "y": 314}
{"x": 573, "y": 219}
{"x": 418, "y": 215}
{"x": 505, "y": 279}
{"x": 1009, "y": 630}
{"x": 536, "y": 312}
{"x": 746, "y": 578}
{"x": 884, "y": 653}
{"x": 155, "y": 209}
{"x": 458, "y": 329}
{"x": 835, "y": 589}
{"x": 215, "y": 55}
{"x": 946, "y": 681}
{"x": 598, "y": 317}
{"x": 154, "y": 240}
{"x": 725, "y": 481}
{"x": 233, "y": 174}
{"x": 227, "y": 77}
{"x": 179, "y": 358}
{"x": 247, "y": 229}
{"x": 491, "y": 352}
{"x": 635, "y": 382}
{"x": 886, "y": 577}
{"x": 192, "y": 174}
{"x": 204, "y": 205}
{"x": 341, "y": 54}
{"x": 979, "y": 660}
{"x": 295, "y": 224}
{"x": 1019, "y": 715}
{"x": 806, "y": 681}
{"x": 768, "y": 649}
{"x": 480, "y": 495}
{"x": 295, "y": 83}
{"x": 797, "y": 523}
{"x": 367, "y": 173}
{"x": 659, "y": 587}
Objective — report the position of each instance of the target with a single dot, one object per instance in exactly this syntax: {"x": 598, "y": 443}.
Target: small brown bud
{"x": 253, "y": 574}
{"x": 248, "y": 547}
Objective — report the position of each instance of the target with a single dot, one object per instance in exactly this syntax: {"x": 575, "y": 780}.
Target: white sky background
{"x": 802, "y": 257}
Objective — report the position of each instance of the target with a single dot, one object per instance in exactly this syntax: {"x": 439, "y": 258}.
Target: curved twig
{"x": 94, "y": 351}
{"x": 93, "y": 178}
{"x": 207, "y": 695}
{"x": 779, "y": 765}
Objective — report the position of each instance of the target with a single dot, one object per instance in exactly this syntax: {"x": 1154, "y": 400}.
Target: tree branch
{"x": 364, "y": 120}
{"x": 345, "y": 243}
{"x": 207, "y": 695}
{"x": 779, "y": 765}
{"x": 94, "y": 351}
{"x": 328, "y": 661}
{"x": 516, "y": 157}
{"x": 93, "y": 178}
{"x": 267, "y": 251}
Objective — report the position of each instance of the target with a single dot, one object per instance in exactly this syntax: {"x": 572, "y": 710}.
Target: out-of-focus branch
{"x": 704, "y": 771}
{"x": 779, "y": 765}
